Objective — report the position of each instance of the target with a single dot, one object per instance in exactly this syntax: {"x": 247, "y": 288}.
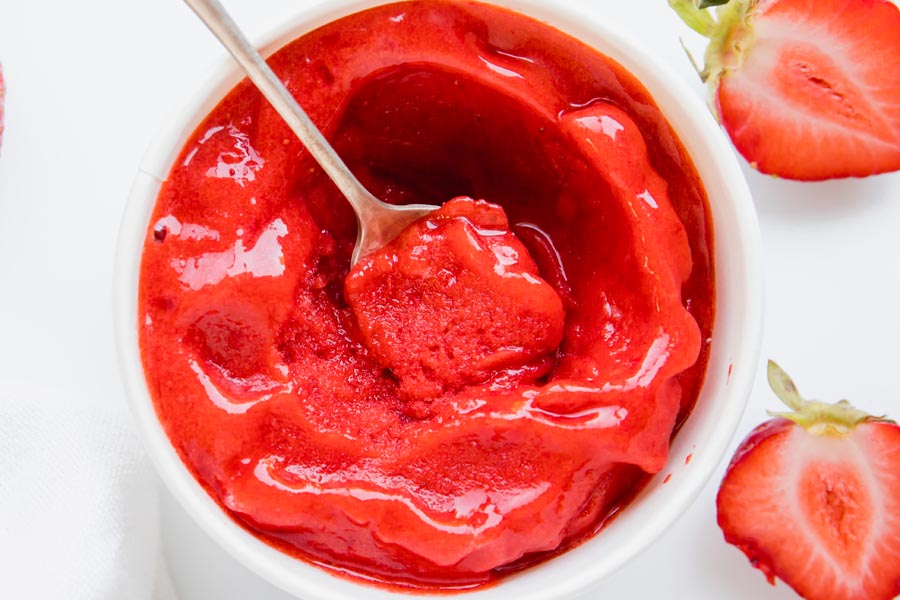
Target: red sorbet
{"x": 455, "y": 300}
{"x": 489, "y": 388}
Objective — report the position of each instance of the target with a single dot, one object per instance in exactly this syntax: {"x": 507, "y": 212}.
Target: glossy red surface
{"x": 490, "y": 387}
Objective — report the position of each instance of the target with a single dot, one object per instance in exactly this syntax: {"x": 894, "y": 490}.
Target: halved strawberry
{"x": 807, "y": 89}
{"x": 813, "y": 497}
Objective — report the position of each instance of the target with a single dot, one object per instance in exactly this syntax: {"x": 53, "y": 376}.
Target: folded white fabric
{"x": 79, "y": 517}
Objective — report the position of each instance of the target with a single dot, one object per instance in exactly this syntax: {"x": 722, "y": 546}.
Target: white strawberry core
{"x": 836, "y": 501}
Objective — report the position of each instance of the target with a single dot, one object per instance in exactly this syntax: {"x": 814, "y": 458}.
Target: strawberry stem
{"x": 694, "y": 16}
{"x": 729, "y": 29}
{"x": 818, "y": 418}
{"x": 784, "y": 386}
{"x": 690, "y": 56}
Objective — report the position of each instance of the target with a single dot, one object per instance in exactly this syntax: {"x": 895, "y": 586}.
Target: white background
{"x": 90, "y": 82}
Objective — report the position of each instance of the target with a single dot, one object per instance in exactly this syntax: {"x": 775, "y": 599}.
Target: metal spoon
{"x": 378, "y": 222}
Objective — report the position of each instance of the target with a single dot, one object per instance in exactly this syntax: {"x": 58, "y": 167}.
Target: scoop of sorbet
{"x": 453, "y": 301}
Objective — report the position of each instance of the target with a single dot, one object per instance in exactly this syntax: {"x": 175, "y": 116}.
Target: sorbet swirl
{"x": 490, "y": 387}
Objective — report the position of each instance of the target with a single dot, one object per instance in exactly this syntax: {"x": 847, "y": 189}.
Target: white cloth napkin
{"x": 79, "y": 515}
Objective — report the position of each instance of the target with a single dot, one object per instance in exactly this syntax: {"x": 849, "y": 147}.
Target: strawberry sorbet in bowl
{"x": 513, "y": 397}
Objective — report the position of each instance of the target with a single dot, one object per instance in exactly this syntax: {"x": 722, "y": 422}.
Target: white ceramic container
{"x": 705, "y": 436}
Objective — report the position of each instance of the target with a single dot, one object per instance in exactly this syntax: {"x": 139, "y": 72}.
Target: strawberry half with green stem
{"x": 813, "y": 497}
{"x": 807, "y": 89}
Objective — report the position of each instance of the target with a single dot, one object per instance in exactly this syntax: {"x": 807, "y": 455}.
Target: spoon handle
{"x": 213, "y": 14}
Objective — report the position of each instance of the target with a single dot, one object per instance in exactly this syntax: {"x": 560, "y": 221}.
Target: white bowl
{"x": 704, "y": 437}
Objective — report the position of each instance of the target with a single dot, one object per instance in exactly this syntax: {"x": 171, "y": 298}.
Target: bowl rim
{"x": 736, "y": 357}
